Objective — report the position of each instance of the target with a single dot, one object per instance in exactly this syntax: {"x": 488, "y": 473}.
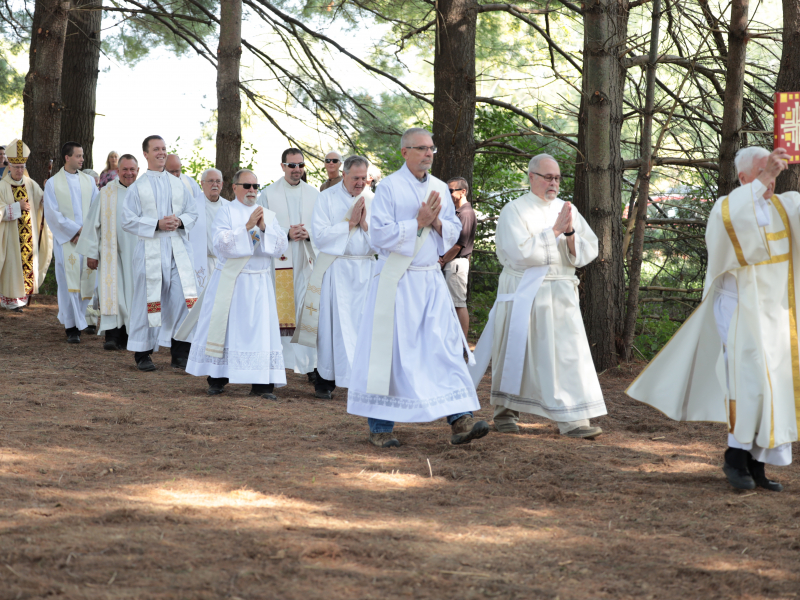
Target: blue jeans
{"x": 381, "y": 426}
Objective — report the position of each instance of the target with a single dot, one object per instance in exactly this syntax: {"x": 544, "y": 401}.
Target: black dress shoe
{"x": 736, "y": 470}
{"x": 215, "y": 391}
{"x": 74, "y": 338}
{"x": 146, "y": 364}
{"x": 18, "y": 309}
{"x": 760, "y": 477}
{"x": 111, "y": 345}
{"x": 322, "y": 394}
{"x": 179, "y": 362}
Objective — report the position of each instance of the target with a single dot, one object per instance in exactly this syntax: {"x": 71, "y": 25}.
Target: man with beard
{"x": 105, "y": 243}
{"x": 160, "y": 211}
{"x": 208, "y": 204}
{"x": 235, "y": 332}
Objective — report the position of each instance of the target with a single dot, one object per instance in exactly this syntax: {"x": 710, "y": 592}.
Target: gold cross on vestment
{"x": 71, "y": 259}
{"x": 311, "y": 309}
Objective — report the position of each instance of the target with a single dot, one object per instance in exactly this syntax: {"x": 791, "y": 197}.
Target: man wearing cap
{"x": 25, "y": 240}
{"x": 67, "y": 198}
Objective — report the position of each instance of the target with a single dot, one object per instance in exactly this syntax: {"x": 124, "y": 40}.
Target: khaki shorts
{"x": 456, "y": 273}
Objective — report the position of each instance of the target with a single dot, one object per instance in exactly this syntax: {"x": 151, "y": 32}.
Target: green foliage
{"x": 654, "y": 329}
{"x": 194, "y": 161}
{"x": 128, "y": 38}
{"x": 11, "y": 82}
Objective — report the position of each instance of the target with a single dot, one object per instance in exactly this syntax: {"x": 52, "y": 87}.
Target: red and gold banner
{"x": 787, "y": 124}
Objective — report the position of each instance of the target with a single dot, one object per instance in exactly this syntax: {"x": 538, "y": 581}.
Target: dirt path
{"x": 120, "y": 484}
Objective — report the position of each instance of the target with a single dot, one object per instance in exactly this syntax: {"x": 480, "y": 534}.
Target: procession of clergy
{"x": 346, "y": 286}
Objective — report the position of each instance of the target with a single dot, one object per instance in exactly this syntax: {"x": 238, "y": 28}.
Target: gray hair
{"x": 334, "y": 152}
{"x": 411, "y": 132}
{"x": 354, "y": 161}
{"x": 537, "y": 160}
{"x": 207, "y": 171}
{"x": 747, "y": 156}
{"x": 241, "y": 172}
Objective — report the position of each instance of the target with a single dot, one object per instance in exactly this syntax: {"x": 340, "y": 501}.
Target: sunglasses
{"x": 247, "y": 186}
{"x": 457, "y": 190}
{"x": 332, "y": 160}
{"x": 302, "y": 165}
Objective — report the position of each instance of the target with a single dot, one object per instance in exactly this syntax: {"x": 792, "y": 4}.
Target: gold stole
{"x": 109, "y": 302}
{"x": 79, "y": 277}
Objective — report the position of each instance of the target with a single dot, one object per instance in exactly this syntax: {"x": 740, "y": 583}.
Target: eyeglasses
{"x": 433, "y": 149}
{"x": 549, "y": 178}
{"x": 247, "y": 186}
{"x": 302, "y": 165}
{"x": 332, "y": 160}
{"x": 211, "y": 181}
{"x": 457, "y": 190}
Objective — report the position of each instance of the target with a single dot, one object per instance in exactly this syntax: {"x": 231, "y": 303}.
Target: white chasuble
{"x": 164, "y": 285}
{"x": 428, "y": 377}
{"x": 760, "y": 401}
{"x": 237, "y": 332}
{"x": 26, "y": 245}
{"x": 103, "y": 238}
{"x": 64, "y": 212}
{"x": 291, "y": 270}
{"x": 553, "y": 374}
{"x": 343, "y": 285}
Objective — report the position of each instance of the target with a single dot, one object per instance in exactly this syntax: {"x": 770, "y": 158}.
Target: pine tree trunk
{"x": 789, "y": 81}
{"x": 734, "y": 98}
{"x": 229, "y": 102}
{"x": 454, "y": 89}
{"x": 42, "y": 123}
{"x": 637, "y": 251}
{"x": 598, "y": 192}
{"x": 79, "y": 78}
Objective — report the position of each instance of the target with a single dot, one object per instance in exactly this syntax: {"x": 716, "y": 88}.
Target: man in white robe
{"x": 174, "y": 167}
{"x": 541, "y": 362}
{"x": 159, "y": 210}
{"x": 236, "y": 337}
{"x": 67, "y": 198}
{"x": 340, "y": 281}
{"x": 409, "y": 358}
{"x": 108, "y": 246}
{"x": 736, "y": 359}
{"x": 292, "y": 200}
{"x": 208, "y": 204}
{"x": 26, "y": 244}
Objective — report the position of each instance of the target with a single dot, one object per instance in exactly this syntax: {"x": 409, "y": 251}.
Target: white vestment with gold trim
{"x": 104, "y": 239}
{"x": 71, "y": 304}
{"x": 753, "y": 383}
